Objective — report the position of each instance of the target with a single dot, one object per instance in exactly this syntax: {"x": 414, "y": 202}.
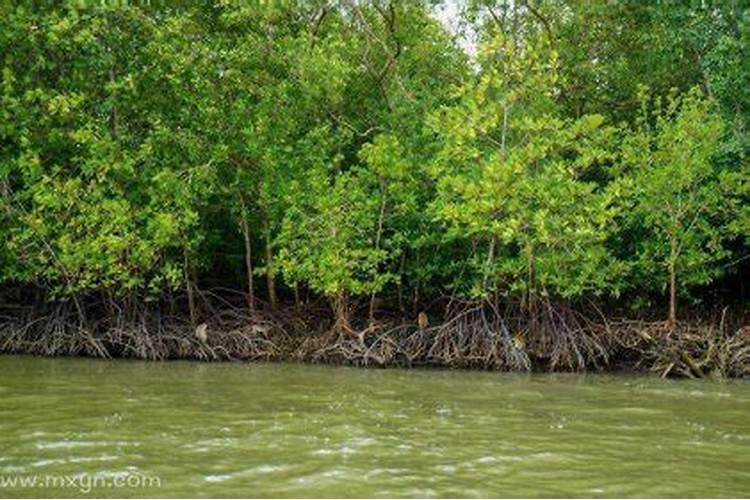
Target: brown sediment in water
{"x": 473, "y": 336}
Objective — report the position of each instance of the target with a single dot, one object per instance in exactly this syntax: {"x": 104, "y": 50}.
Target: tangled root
{"x": 61, "y": 332}
{"x": 686, "y": 350}
{"x": 478, "y": 335}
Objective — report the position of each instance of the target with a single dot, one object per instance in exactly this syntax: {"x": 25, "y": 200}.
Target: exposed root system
{"x": 60, "y": 332}
{"x": 689, "y": 350}
{"x": 549, "y": 337}
{"x": 479, "y": 336}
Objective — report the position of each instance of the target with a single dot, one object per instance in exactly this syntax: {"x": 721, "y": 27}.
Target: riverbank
{"x": 473, "y": 337}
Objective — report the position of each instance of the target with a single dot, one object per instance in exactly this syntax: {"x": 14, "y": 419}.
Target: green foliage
{"x": 85, "y": 207}
{"x": 675, "y": 199}
{"x": 509, "y": 180}
{"x": 342, "y": 235}
{"x": 357, "y": 149}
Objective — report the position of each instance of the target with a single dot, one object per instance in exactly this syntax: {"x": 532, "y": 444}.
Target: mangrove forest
{"x": 531, "y": 185}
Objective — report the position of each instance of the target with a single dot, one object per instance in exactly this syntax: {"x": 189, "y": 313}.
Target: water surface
{"x": 264, "y": 430}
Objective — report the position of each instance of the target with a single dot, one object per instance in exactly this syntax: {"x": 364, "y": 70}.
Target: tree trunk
{"x": 530, "y": 281}
{"x": 109, "y": 302}
{"x": 378, "y": 236}
{"x": 189, "y": 288}
{"x": 342, "y": 326}
{"x": 248, "y": 258}
{"x": 506, "y": 112}
{"x": 415, "y": 295}
{"x": 672, "y": 283}
{"x": 400, "y": 284}
{"x": 372, "y": 309}
{"x": 490, "y": 258}
{"x": 270, "y": 281}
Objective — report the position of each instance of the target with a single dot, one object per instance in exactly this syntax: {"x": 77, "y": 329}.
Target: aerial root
{"x": 478, "y": 335}
{"x": 692, "y": 350}
{"x": 61, "y": 332}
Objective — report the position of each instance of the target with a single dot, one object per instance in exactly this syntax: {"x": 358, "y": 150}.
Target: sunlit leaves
{"x": 675, "y": 193}
{"x": 509, "y": 180}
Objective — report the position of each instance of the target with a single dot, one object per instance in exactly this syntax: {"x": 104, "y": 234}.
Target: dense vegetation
{"x": 513, "y": 167}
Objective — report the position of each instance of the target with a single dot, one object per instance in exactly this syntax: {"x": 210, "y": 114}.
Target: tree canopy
{"x": 364, "y": 152}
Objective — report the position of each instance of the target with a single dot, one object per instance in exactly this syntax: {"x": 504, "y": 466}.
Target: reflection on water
{"x": 289, "y": 430}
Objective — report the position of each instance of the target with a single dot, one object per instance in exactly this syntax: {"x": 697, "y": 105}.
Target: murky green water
{"x": 288, "y": 430}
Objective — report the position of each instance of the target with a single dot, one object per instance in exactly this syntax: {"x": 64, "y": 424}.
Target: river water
{"x": 81, "y": 427}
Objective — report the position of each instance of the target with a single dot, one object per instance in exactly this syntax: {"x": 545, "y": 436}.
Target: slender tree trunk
{"x": 372, "y": 309}
{"x": 248, "y": 258}
{"x": 189, "y": 288}
{"x": 270, "y": 281}
{"x": 490, "y": 258}
{"x": 378, "y": 236}
{"x": 400, "y": 284}
{"x": 79, "y": 310}
{"x": 415, "y": 295}
{"x": 672, "y": 298}
{"x": 109, "y": 301}
{"x": 672, "y": 283}
{"x": 340, "y": 303}
{"x": 506, "y": 114}
{"x": 530, "y": 285}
